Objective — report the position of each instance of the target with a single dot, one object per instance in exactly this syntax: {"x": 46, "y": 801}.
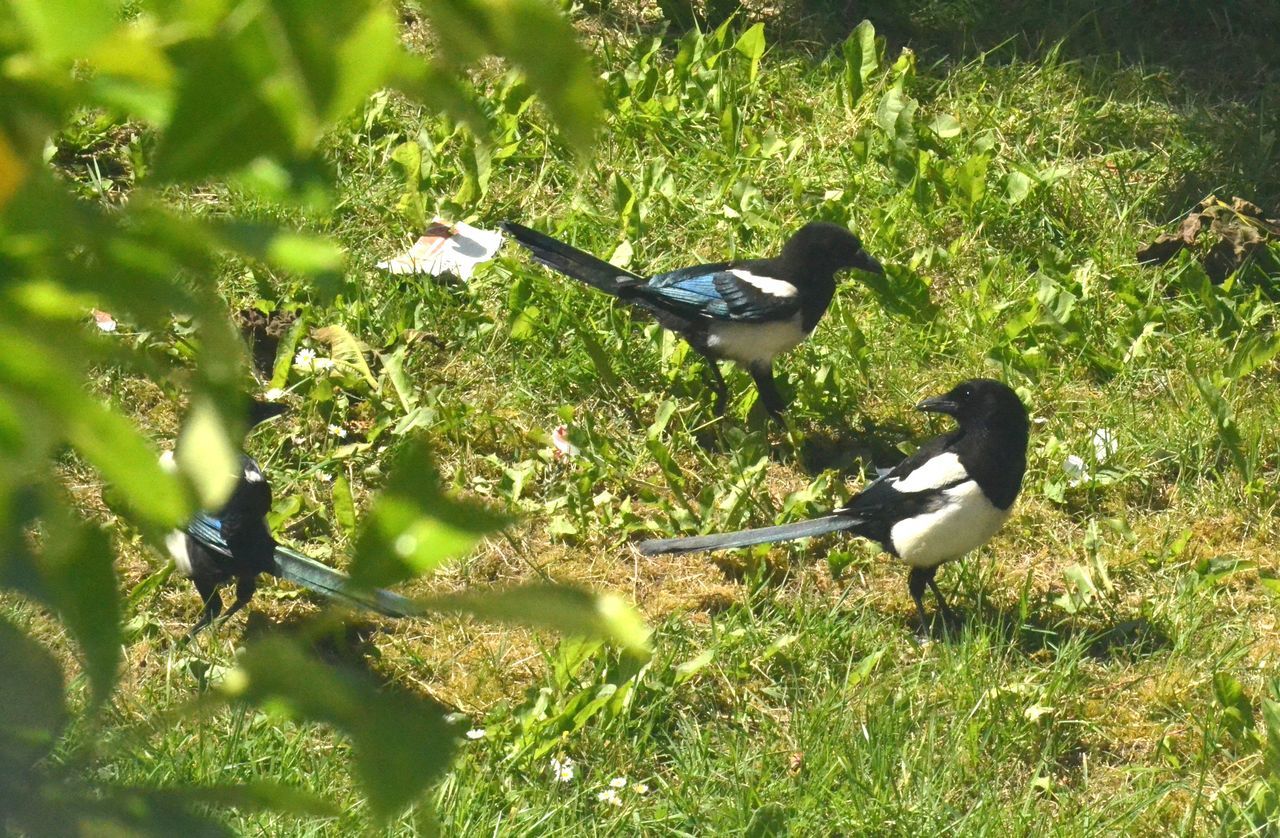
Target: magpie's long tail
{"x": 571, "y": 261}
{"x": 311, "y": 574}
{"x": 336, "y": 585}
{"x": 747, "y": 538}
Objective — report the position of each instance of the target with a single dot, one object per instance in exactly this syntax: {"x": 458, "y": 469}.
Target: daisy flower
{"x": 562, "y": 769}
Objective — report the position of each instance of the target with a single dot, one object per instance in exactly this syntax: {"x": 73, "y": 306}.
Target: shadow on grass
{"x": 1038, "y": 631}
{"x": 339, "y": 639}
{"x": 1215, "y": 64}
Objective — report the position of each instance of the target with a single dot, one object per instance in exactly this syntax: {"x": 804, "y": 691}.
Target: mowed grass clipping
{"x": 1090, "y": 688}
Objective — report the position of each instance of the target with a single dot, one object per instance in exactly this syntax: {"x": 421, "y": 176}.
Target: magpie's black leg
{"x": 717, "y": 384}
{"x": 212, "y": 606}
{"x": 948, "y": 616}
{"x": 916, "y": 582}
{"x": 772, "y": 400}
{"x": 245, "y": 587}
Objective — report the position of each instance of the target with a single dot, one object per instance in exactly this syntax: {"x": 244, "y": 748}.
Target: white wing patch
{"x": 176, "y": 541}
{"x": 766, "y": 284}
{"x": 942, "y": 470}
{"x": 965, "y": 521}
{"x": 252, "y": 475}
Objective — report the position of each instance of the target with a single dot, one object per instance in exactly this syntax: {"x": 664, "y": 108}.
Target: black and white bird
{"x": 235, "y": 544}
{"x": 946, "y": 499}
{"x": 748, "y": 312}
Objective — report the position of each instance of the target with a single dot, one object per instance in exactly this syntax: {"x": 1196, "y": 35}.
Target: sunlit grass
{"x": 803, "y": 702}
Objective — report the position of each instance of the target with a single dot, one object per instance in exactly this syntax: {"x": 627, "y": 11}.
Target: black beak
{"x": 939, "y": 404}
{"x": 864, "y": 261}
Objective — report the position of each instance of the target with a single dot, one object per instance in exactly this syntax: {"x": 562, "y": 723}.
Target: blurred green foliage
{"x": 240, "y": 90}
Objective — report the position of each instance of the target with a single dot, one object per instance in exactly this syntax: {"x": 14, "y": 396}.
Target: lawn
{"x": 1119, "y": 638}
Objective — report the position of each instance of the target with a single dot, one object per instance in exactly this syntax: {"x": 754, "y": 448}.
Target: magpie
{"x": 744, "y": 311}
{"x": 946, "y": 499}
{"x": 235, "y": 544}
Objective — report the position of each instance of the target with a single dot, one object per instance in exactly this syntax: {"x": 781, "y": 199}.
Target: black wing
{"x": 718, "y": 291}
{"x": 881, "y": 504}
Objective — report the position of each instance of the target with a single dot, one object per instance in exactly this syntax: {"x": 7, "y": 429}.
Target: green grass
{"x": 808, "y": 706}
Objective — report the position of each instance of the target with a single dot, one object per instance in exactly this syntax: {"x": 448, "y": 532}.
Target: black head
{"x": 980, "y": 401}
{"x": 260, "y": 411}
{"x": 821, "y": 245}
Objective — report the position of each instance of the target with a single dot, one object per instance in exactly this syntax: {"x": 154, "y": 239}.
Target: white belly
{"x": 176, "y": 541}
{"x": 966, "y": 522}
{"x": 755, "y": 343}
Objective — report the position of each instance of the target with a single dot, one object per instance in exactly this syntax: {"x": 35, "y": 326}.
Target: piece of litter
{"x": 560, "y": 439}
{"x": 1075, "y": 470}
{"x": 446, "y": 249}
{"x": 105, "y": 321}
{"x": 1105, "y": 445}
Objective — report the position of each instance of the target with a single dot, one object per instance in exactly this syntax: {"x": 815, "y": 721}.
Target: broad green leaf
{"x": 861, "y": 59}
{"x": 306, "y": 255}
{"x": 568, "y": 610}
{"x": 896, "y": 117}
{"x": 971, "y": 180}
{"x": 31, "y": 693}
{"x": 221, "y": 119}
{"x": 945, "y": 126}
{"x": 78, "y": 565}
{"x": 537, "y": 38}
{"x": 393, "y": 366}
{"x": 437, "y": 87}
{"x": 105, "y": 438}
{"x": 1237, "y": 712}
{"x": 366, "y": 58}
{"x": 286, "y": 350}
{"x": 61, "y": 30}
{"x": 1225, "y": 419}
{"x": 751, "y": 44}
{"x": 468, "y": 26}
{"x": 255, "y": 796}
{"x": 1017, "y": 186}
{"x": 346, "y": 350}
{"x": 401, "y": 742}
{"x": 344, "y": 505}
{"x": 693, "y": 666}
{"x": 1271, "y": 746}
{"x": 1252, "y": 353}
{"x": 207, "y": 455}
{"x": 13, "y": 171}
{"x": 901, "y": 291}
{"x": 413, "y": 526}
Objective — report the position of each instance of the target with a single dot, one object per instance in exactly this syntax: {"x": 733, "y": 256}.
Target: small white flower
{"x": 562, "y": 769}
{"x": 609, "y": 796}
{"x": 324, "y": 477}
{"x": 640, "y": 788}
{"x": 475, "y": 733}
{"x": 1105, "y": 445}
{"x": 322, "y": 364}
{"x": 1075, "y": 470}
{"x": 338, "y": 431}
{"x": 305, "y": 359}
{"x": 275, "y": 394}
{"x": 618, "y": 782}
